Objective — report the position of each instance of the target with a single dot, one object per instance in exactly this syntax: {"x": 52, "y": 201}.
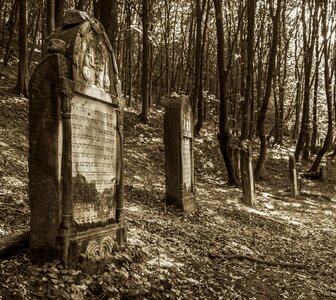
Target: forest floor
{"x": 280, "y": 249}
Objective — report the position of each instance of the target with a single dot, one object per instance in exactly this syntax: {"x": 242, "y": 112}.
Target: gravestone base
{"x": 95, "y": 245}
{"x": 185, "y": 203}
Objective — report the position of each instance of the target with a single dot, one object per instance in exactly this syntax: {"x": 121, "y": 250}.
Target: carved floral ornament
{"x": 100, "y": 249}
{"x": 96, "y": 64}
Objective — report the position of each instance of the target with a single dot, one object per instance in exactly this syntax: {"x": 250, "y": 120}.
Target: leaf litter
{"x": 224, "y": 250}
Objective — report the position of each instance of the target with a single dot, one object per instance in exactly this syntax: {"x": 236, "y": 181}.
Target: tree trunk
{"x": 108, "y": 16}
{"x": 307, "y": 63}
{"x": 198, "y": 46}
{"x": 12, "y": 27}
{"x": 22, "y": 81}
{"x": 200, "y": 101}
{"x": 316, "y": 85}
{"x": 50, "y": 16}
{"x": 129, "y": 57}
{"x": 327, "y": 84}
{"x": 35, "y": 33}
{"x": 246, "y": 108}
{"x": 265, "y": 102}
{"x": 145, "y": 62}
{"x": 225, "y": 138}
{"x": 59, "y": 10}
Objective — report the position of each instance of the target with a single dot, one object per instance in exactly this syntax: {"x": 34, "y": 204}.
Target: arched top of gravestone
{"x": 180, "y": 107}
{"x": 89, "y": 52}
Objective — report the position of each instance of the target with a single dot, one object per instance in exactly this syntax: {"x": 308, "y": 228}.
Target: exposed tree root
{"x": 11, "y": 244}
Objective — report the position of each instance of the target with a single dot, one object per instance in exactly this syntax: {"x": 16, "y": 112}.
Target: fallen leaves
{"x": 222, "y": 251}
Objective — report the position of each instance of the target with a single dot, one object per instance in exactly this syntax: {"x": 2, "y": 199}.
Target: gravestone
{"x": 248, "y": 186}
{"x": 293, "y": 177}
{"x": 75, "y": 145}
{"x": 179, "y": 155}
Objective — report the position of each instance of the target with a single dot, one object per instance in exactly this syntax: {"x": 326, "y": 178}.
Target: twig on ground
{"x": 257, "y": 260}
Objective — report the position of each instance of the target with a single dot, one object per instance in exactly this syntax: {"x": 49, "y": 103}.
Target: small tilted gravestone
{"x": 293, "y": 177}
{"x": 75, "y": 146}
{"x": 179, "y": 155}
{"x": 249, "y": 196}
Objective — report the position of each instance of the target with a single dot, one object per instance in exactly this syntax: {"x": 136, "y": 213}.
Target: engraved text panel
{"x": 93, "y": 160}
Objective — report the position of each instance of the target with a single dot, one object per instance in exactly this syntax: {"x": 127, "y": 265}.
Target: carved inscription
{"x": 186, "y": 147}
{"x": 93, "y": 160}
{"x": 186, "y": 124}
{"x": 186, "y": 162}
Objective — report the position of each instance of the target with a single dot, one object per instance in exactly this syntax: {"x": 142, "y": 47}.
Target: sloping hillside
{"x": 281, "y": 249}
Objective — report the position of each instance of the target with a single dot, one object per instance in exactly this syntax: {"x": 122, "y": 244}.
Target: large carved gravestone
{"x": 75, "y": 145}
{"x": 178, "y": 140}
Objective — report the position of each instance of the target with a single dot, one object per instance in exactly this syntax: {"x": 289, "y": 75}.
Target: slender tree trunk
{"x": 35, "y": 33}
{"x": 22, "y": 82}
{"x": 225, "y": 138}
{"x": 264, "y": 106}
{"x": 12, "y": 27}
{"x": 108, "y": 16}
{"x": 130, "y": 57}
{"x": 145, "y": 62}
{"x": 307, "y": 62}
{"x": 327, "y": 84}
{"x": 3, "y": 27}
{"x": 167, "y": 50}
{"x": 198, "y": 46}
{"x": 50, "y": 16}
{"x": 316, "y": 85}
{"x": 200, "y": 102}
{"x": 59, "y": 10}
{"x": 246, "y": 106}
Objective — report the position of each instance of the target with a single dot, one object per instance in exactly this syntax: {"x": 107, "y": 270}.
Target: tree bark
{"x": 224, "y": 136}
{"x": 316, "y": 86}
{"x": 145, "y": 61}
{"x": 200, "y": 100}
{"x": 22, "y": 81}
{"x": 108, "y": 16}
{"x": 12, "y": 26}
{"x": 327, "y": 85}
{"x": 265, "y": 102}
{"x": 59, "y": 10}
{"x": 307, "y": 63}
{"x": 50, "y": 16}
{"x": 246, "y": 148}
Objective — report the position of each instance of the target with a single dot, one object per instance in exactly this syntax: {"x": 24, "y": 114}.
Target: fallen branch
{"x": 9, "y": 245}
{"x": 260, "y": 261}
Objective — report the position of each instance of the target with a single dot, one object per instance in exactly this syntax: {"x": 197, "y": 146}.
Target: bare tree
{"x": 225, "y": 138}
{"x": 22, "y": 81}
{"x": 309, "y": 37}
{"x": 145, "y": 61}
{"x": 270, "y": 74}
{"x": 327, "y": 85}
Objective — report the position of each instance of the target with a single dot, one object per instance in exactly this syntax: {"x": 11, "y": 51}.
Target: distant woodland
{"x": 269, "y": 66}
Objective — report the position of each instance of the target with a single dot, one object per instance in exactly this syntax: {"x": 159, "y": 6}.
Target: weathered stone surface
{"x": 178, "y": 139}
{"x": 75, "y": 17}
{"x": 293, "y": 177}
{"x": 75, "y": 147}
{"x": 57, "y": 46}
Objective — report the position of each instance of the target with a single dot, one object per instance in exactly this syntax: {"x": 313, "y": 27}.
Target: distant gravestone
{"x": 249, "y": 197}
{"x": 178, "y": 140}
{"x": 75, "y": 145}
{"x": 293, "y": 177}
